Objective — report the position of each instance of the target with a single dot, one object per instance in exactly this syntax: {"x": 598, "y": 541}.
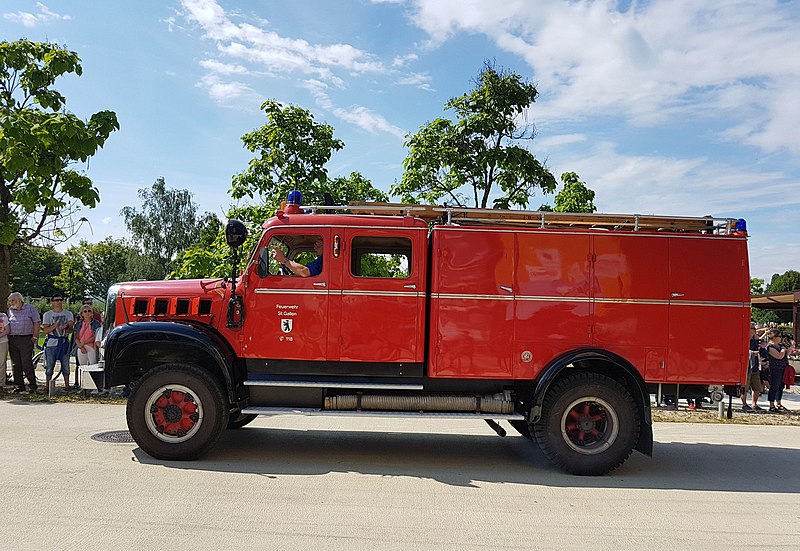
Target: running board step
{"x": 370, "y": 413}
{"x": 332, "y": 383}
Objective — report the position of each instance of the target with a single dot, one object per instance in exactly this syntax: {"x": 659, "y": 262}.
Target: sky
{"x": 670, "y": 107}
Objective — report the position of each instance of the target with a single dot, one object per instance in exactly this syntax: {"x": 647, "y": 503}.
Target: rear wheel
{"x": 176, "y": 412}
{"x": 589, "y": 424}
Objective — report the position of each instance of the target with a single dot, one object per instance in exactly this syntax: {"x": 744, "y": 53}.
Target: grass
{"x": 61, "y": 397}
{"x": 682, "y": 415}
{"x": 709, "y": 415}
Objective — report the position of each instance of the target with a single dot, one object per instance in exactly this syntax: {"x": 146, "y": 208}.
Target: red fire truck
{"x": 561, "y": 324}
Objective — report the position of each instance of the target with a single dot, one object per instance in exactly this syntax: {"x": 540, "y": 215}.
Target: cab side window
{"x": 381, "y": 257}
{"x": 297, "y": 248}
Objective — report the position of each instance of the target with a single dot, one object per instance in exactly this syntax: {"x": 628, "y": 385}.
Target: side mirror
{"x": 262, "y": 267}
{"x": 235, "y": 233}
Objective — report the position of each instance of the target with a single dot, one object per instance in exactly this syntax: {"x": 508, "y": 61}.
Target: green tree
{"x": 165, "y": 225}
{"x": 481, "y": 155}
{"x": 89, "y": 269}
{"x": 207, "y": 257}
{"x": 575, "y": 196}
{"x": 756, "y": 286}
{"x": 33, "y": 270}
{"x": 39, "y": 143}
{"x": 291, "y": 152}
{"x": 210, "y": 256}
{"x": 787, "y": 281}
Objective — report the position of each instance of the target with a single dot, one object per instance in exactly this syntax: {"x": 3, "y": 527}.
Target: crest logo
{"x": 286, "y": 325}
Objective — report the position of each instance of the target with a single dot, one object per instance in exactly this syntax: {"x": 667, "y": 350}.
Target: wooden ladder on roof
{"x": 541, "y": 219}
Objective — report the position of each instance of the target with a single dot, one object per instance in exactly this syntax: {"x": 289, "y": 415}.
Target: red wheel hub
{"x": 586, "y": 423}
{"x": 174, "y": 413}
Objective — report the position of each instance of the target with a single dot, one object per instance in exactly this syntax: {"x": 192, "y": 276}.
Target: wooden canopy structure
{"x": 788, "y": 301}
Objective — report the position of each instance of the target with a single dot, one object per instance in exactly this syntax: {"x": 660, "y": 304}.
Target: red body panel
{"x": 674, "y": 306}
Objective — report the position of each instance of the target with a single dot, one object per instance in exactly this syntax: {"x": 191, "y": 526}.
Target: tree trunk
{"x": 5, "y": 275}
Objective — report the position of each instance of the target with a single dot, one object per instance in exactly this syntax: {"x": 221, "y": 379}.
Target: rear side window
{"x": 387, "y": 257}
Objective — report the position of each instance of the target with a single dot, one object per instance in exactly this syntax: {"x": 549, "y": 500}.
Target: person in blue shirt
{"x": 313, "y": 268}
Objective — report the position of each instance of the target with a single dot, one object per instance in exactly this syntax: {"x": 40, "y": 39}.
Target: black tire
{"x": 239, "y": 421}
{"x": 522, "y": 427}
{"x": 176, "y": 412}
{"x": 589, "y": 424}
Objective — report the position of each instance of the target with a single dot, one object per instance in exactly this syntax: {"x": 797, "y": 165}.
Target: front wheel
{"x": 176, "y": 412}
{"x": 589, "y": 424}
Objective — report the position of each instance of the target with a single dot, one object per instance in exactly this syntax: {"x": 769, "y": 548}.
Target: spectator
{"x": 778, "y": 357}
{"x": 95, "y": 315}
{"x": 86, "y": 337}
{"x": 57, "y": 325}
{"x": 24, "y": 324}
{"x": 753, "y": 374}
{"x": 4, "y": 328}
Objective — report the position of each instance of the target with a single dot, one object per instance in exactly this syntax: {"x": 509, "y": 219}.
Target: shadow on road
{"x": 467, "y": 460}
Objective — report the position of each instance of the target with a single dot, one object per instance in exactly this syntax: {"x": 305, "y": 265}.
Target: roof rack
{"x": 541, "y": 219}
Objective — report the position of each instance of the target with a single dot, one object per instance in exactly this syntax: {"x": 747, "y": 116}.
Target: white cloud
{"x": 273, "y": 52}
{"x": 665, "y": 185}
{"x": 732, "y": 59}
{"x": 551, "y": 142}
{"x": 43, "y": 15}
{"x": 418, "y": 80}
{"x": 223, "y": 68}
{"x": 403, "y": 60}
{"x": 107, "y": 220}
{"x": 227, "y": 94}
{"x": 361, "y": 116}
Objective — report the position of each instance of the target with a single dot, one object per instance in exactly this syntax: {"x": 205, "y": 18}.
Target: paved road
{"x": 300, "y": 483}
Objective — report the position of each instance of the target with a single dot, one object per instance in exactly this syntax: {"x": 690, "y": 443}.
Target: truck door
{"x": 286, "y": 314}
{"x": 552, "y": 298}
{"x": 382, "y": 302}
{"x": 472, "y": 303}
{"x": 709, "y": 294}
{"x": 631, "y": 299}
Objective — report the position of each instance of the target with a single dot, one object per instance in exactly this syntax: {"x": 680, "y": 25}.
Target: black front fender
{"x": 133, "y": 349}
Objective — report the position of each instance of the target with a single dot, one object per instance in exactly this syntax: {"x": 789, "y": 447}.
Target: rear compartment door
{"x": 472, "y": 303}
{"x": 709, "y": 310}
{"x": 631, "y": 299}
{"x": 553, "y": 304}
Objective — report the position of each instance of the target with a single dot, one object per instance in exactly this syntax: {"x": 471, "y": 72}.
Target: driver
{"x": 313, "y": 268}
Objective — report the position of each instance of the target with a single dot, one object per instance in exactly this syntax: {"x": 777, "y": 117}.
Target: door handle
{"x": 320, "y": 284}
{"x": 412, "y": 286}
{"x": 507, "y": 289}
{"x": 675, "y": 295}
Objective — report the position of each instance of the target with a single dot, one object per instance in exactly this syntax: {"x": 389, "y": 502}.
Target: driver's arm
{"x": 295, "y": 267}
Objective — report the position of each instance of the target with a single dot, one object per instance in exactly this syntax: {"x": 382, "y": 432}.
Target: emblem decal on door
{"x": 286, "y": 325}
